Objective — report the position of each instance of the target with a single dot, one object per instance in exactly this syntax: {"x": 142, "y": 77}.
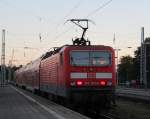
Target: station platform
{"x": 19, "y": 104}
{"x": 141, "y": 94}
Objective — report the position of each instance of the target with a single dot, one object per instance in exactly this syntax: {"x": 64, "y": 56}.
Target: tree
{"x": 129, "y": 68}
{"x": 125, "y": 69}
{"x": 136, "y": 63}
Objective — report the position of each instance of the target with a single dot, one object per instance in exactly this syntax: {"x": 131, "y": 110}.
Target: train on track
{"x": 80, "y": 73}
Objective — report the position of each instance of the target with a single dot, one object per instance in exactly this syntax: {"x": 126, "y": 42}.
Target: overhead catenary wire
{"x": 73, "y": 9}
{"x": 99, "y": 8}
{"x": 76, "y": 6}
{"x": 61, "y": 34}
{"x": 34, "y": 15}
{"x": 65, "y": 17}
{"x": 25, "y": 11}
{"x": 89, "y": 15}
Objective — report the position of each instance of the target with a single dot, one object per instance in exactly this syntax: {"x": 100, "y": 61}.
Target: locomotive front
{"x": 90, "y": 73}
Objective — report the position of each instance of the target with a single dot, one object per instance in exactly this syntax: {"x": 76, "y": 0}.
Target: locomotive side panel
{"x": 52, "y": 74}
{"x": 62, "y": 78}
{"x": 48, "y": 77}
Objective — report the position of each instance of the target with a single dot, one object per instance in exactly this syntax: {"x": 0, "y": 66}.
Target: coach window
{"x": 61, "y": 58}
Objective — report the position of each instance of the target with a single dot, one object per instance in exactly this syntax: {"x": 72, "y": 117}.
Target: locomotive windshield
{"x": 90, "y": 58}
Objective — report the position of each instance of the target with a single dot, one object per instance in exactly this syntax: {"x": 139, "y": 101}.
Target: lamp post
{"x": 117, "y": 62}
{"x": 30, "y": 48}
{"x": 117, "y": 50}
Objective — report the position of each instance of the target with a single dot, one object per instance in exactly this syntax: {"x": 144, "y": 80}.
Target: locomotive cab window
{"x": 90, "y": 58}
{"x": 79, "y": 58}
{"x": 100, "y": 58}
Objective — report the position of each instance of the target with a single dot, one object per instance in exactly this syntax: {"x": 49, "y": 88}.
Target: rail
{"x": 108, "y": 116}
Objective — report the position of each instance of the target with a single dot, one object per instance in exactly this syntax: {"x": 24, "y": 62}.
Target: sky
{"x": 26, "y": 20}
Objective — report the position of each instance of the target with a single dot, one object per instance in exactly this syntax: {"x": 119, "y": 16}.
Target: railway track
{"x": 90, "y": 113}
{"x": 133, "y": 94}
{"x": 101, "y": 115}
{"x": 108, "y": 116}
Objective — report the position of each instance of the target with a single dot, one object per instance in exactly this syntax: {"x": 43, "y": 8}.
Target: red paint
{"x": 55, "y": 74}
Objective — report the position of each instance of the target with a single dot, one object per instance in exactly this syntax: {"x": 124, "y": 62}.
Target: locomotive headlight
{"x": 102, "y": 83}
{"x": 73, "y": 83}
{"x": 109, "y": 83}
{"x": 79, "y": 83}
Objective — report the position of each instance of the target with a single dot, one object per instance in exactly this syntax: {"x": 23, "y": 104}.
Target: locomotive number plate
{"x": 91, "y": 75}
{"x": 91, "y": 83}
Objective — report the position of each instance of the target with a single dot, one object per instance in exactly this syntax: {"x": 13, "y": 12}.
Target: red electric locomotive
{"x": 79, "y": 73}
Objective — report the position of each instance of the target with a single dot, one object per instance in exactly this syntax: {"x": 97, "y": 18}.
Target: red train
{"x": 77, "y": 73}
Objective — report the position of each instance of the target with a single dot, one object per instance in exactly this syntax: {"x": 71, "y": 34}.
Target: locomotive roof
{"x": 56, "y": 50}
{"x": 59, "y": 49}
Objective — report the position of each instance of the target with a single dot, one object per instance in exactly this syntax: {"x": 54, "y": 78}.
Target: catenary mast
{"x": 3, "y": 68}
